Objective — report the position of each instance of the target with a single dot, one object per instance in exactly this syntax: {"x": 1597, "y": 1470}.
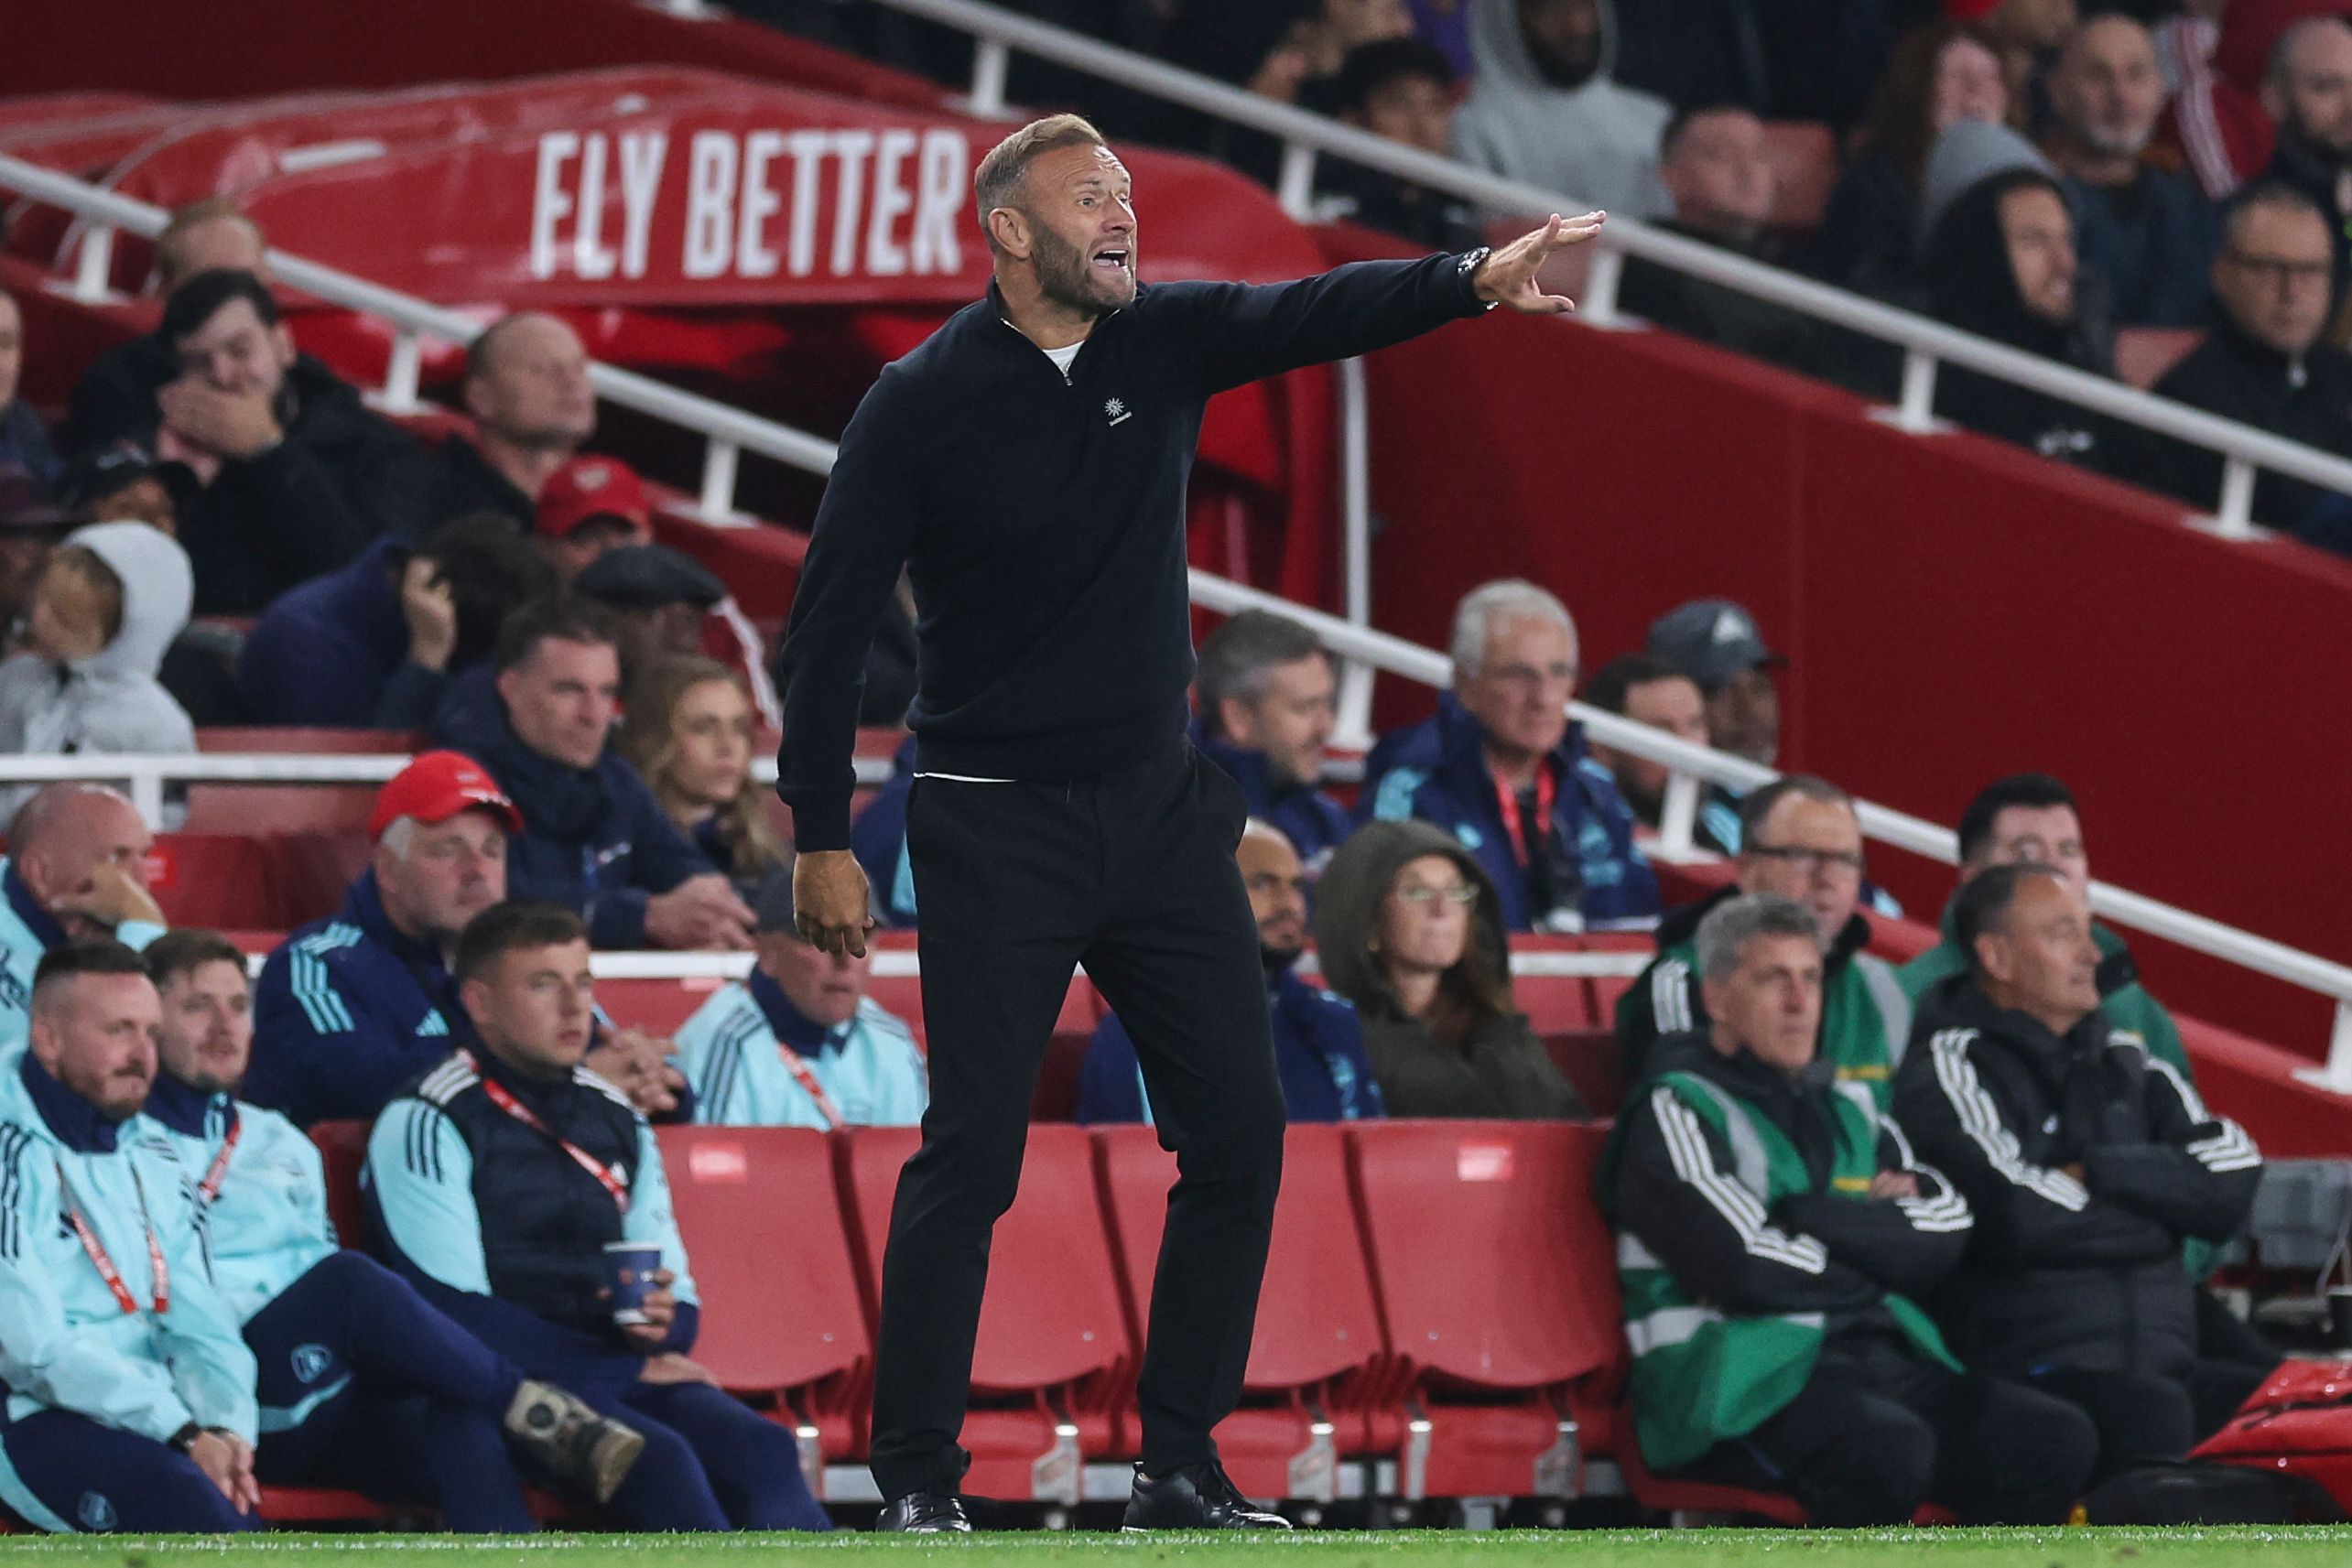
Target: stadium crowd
{"x": 1929, "y": 1235}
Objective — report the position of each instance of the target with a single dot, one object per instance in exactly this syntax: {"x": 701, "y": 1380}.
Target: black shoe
{"x": 1197, "y": 1496}
{"x": 926, "y": 1513}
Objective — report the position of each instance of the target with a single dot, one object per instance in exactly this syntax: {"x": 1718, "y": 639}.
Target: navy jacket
{"x": 2154, "y": 243}
{"x": 1436, "y": 772}
{"x": 1318, "y": 1052}
{"x": 322, "y": 654}
{"x": 878, "y": 840}
{"x": 1313, "y": 822}
{"x": 25, "y": 442}
{"x": 595, "y": 840}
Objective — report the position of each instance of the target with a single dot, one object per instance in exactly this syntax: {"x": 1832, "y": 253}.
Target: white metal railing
{"x": 1927, "y": 344}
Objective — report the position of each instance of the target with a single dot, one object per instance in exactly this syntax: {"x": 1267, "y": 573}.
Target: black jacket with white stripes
{"x": 2087, "y": 1161}
{"x": 1676, "y": 1190}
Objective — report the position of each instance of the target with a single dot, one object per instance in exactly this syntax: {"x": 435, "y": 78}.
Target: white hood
{"x": 158, "y": 589}
{"x": 1596, "y": 143}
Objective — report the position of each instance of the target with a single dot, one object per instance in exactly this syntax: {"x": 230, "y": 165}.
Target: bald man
{"x": 1318, "y": 1044}
{"x": 526, "y": 387}
{"x": 76, "y": 871}
{"x": 2309, "y": 92}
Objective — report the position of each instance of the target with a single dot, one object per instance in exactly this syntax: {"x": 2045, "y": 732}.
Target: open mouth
{"x": 1113, "y": 260}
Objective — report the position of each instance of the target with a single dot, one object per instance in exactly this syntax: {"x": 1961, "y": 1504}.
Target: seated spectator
{"x": 1266, "y": 693}
{"x": 287, "y": 474}
{"x": 115, "y": 398}
{"x": 130, "y": 1393}
{"x": 2088, "y": 1162}
{"x": 594, "y": 838}
{"x": 2026, "y": 34}
{"x": 689, "y": 731}
{"x": 1544, "y": 106}
{"x": 1773, "y": 1232}
{"x": 31, "y": 526}
{"x": 23, "y": 439}
{"x": 109, "y": 601}
{"x": 1318, "y": 1044}
{"x": 349, "y": 1008}
{"x": 1942, "y": 72}
{"x": 2264, "y": 361}
{"x": 526, "y": 387}
{"x": 2001, "y": 264}
{"x": 374, "y": 645}
{"x": 2222, "y": 126}
{"x": 1306, "y": 62}
{"x": 1650, "y": 691}
{"x": 481, "y": 1176}
{"x": 1800, "y": 841}
{"x": 362, "y": 1385}
{"x": 2305, "y": 93}
{"x": 800, "y": 1044}
{"x": 656, "y": 598}
{"x": 119, "y": 482}
{"x": 1715, "y": 642}
{"x": 2151, "y": 234}
{"x": 1406, "y": 925}
{"x": 1780, "y": 60}
{"x": 1502, "y": 769}
{"x": 78, "y": 869}
{"x": 1404, "y": 90}
{"x": 591, "y": 506}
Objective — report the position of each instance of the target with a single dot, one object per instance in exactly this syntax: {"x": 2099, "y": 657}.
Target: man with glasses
{"x": 1502, "y": 769}
{"x": 2264, "y": 362}
{"x": 1799, "y": 840}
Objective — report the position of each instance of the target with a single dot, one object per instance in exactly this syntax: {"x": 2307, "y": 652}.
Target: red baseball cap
{"x": 434, "y": 787}
{"x": 592, "y": 487}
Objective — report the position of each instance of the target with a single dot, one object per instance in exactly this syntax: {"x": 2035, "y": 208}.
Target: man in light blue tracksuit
{"x": 361, "y": 1383}
{"x": 131, "y": 1394}
{"x": 800, "y": 1044}
{"x": 76, "y": 870}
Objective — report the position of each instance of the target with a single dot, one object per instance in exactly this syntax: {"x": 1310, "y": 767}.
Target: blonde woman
{"x": 689, "y": 729}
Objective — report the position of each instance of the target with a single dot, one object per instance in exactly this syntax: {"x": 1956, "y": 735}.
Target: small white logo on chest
{"x": 1120, "y": 413}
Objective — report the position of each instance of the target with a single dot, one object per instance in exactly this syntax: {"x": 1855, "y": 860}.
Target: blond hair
{"x": 649, "y": 739}
{"x": 998, "y": 179}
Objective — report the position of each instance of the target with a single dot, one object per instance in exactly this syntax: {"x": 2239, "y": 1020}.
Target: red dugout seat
{"x": 1607, "y": 988}
{"x": 1594, "y": 1062}
{"x": 657, "y": 1006}
{"x": 1052, "y": 1347}
{"x": 781, "y": 1314}
{"x": 1317, "y": 1381}
{"x": 342, "y": 1151}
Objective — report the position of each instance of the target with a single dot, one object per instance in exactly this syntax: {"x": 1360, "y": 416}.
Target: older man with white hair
{"x": 76, "y": 871}
{"x": 1501, "y": 768}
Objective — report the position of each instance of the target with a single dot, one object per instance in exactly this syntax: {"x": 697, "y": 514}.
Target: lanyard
{"x": 210, "y": 1187}
{"x": 159, "y": 1269}
{"x": 506, "y": 1101}
{"x": 806, "y": 1076}
{"x": 1508, "y": 798}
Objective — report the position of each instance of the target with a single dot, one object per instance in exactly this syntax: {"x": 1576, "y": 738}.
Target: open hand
{"x": 226, "y": 424}
{"x": 112, "y": 895}
{"x": 1507, "y": 276}
{"x": 429, "y": 605}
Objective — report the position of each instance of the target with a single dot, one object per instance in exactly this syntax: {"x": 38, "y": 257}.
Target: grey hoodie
{"x": 1596, "y": 143}
{"x": 110, "y": 702}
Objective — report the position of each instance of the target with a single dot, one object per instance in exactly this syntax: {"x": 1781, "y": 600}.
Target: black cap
{"x": 647, "y": 576}
{"x": 1709, "y": 640}
{"x": 25, "y": 506}
{"x": 103, "y": 471}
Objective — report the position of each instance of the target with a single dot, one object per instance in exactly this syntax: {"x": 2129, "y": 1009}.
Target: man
{"x": 2264, "y": 361}
{"x": 594, "y": 838}
{"x": 2031, "y": 819}
{"x": 1715, "y": 642}
{"x": 1265, "y": 694}
{"x": 2151, "y": 234}
{"x": 1501, "y": 768}
{"x": 1799, "y": 840}
{"x": 1720, "y": 184}
{"x": 2308, "y": 92}
{"x": 800, "y": 1044}
{"x": 77, "y": 870}
{"x": 115, "y": 398}
{"x": 1059, "y": 815}
{"x": 1543, "y": 107}
{"x": 2088, "y": 1162}
{"x": 31, "y": 522}
{"x": 1648, "y": 691}
{"x": 1403, "y": 88}
{"x": 287, "y": 474}
{"x": 526, "y": 387}
{"x": 1773, "y": 1233}
{"x": 362, "y": 1384}
{"x": 501, "y": 1178}
{"x": 588, "y": 506}
{"x": 130, "y": 1395}
{"x": 657, "y": 599}
{"x": 23, "y": 439}
{"x": 2024, "y": 32}
{"x": 1318, "y": 1044}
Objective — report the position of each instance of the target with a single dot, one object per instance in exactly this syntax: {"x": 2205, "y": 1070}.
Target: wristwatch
{"x": 1468, "y": 268}
{"x": 185, "y": 1438}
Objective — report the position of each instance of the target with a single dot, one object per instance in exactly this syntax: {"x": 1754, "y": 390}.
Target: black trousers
{"x": 1877, "y": 1430}
{"x": 1131, "y": 874}
{"x": 2142, "y": 1417}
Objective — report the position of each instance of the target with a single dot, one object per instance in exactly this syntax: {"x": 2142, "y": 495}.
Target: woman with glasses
{"x": 1407, "y": 921}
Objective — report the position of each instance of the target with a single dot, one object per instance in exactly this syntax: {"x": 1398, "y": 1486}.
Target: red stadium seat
{"x": 1494, "y": 1267}
{"x": 1607, "y": 988}
{"x": 2144, "y": 355}
{"x": 215, "y": 881}
{"x": 342, "y": 1151}
{"x": 781, "y": 1314}
{"x": 657, "y": 1006}
{"x": 1319, "y": 1367}
{"x": 325, "y": 1504}
{"x": 1594, "y": 1062}
{"x": 1552, "y": 1003}
{"x": 1053, "y": 1346}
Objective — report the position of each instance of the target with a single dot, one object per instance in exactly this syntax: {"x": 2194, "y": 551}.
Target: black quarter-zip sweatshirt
{"x": 1041, "y": 519}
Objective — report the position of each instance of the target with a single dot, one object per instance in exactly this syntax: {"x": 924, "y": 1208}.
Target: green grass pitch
{"x": 2187, "y": 1548}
